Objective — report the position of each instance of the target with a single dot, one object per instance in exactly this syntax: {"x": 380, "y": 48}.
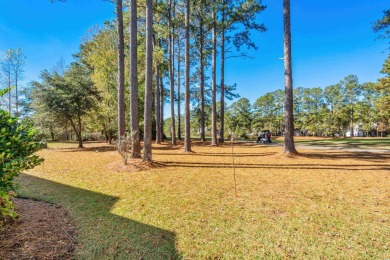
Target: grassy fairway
{"x": 328, "y": 204}
{"x": 348, "y": 143}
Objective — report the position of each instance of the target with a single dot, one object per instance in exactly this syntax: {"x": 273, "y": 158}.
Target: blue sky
{"x": 331, "y": 39}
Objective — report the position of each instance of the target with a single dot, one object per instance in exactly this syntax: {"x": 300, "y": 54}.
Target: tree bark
{"x": 222, "y": 109}
{"x": 171, "y": 75}
{"x": 351, "y": 128}
{"x": 289, "y": 146}
{"x": 16, "y": 94}
{"x": 9, "y": 94}
{"x": 214, "y": 83}
{"x": 158, "y": 107}
{"x": 187, "y": 141}
{"x": 121, "y": 72}
{"x": 162, "y": 107}
{"x": 147, "y": 151}
{"x": 178, "y": 91}
{"x": 135, "y": 140}
{"x": 202, "y": 115}
{"x": 77, "y": 131}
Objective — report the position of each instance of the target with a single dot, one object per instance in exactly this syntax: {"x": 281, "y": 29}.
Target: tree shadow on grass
{"x": 362, "y": 156}
{"x": 343, "y": 167}
{"x": 100, "y": 233}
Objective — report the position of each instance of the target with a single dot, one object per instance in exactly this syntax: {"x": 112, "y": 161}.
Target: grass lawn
{"x": 323, "y": 204}
{"x": 348, "y": 143}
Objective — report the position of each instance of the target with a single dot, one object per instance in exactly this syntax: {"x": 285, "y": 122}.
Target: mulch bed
{"x": 43, "y": 231}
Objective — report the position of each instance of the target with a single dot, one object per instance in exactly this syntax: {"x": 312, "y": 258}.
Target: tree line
{"x": 345, "y": 107}
{"x": 148, "y": 55}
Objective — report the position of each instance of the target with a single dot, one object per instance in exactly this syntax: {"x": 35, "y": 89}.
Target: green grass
{"x": 351, "y": 143}
{"x": 324, "y": 204}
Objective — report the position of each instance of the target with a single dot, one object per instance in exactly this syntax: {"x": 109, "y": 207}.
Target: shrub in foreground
{"x": 17, "y": 147}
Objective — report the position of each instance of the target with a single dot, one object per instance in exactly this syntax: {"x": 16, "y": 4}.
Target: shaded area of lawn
{"x": 350, "y": 143}
{"x": 102, "y": 234}
{"x": 323, "y": 204}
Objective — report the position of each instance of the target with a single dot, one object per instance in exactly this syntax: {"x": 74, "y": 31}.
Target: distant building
{"x": 357, "y": 131}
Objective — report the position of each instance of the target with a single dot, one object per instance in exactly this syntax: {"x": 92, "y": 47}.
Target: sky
{"x": 330, "y": 40}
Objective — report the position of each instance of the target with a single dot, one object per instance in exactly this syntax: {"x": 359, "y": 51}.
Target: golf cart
{"x": 264, "y": 137}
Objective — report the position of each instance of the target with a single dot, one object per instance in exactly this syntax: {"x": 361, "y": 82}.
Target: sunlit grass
{"x": 324, "y": 204}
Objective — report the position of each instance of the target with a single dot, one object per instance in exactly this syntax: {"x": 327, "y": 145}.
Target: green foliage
{"x": 239, "y": 117}
{"x": 17, "y": 148}
{"x": 383, "y": 25}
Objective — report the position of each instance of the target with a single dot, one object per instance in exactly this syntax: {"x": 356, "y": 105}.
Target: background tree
{"x": 71, "y": 95}
{"x": 383, "y": 100}
{"x": 240, "y": 117}
{"x": 237, "y": 20}
{"x": 18, "y": 62}
{"x": 100, "y": 54}
{"x": 383, "y": 25}
{"x": 7, "y": 74}
{"x": 352, "y": 91}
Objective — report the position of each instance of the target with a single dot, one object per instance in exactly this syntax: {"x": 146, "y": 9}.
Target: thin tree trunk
{"x": 351, "y": 129}
{"x": 178, "y": 91}
{"x": 162, "y": 107}
{"x": 202, "y": 115}
{"x": 171, "y": 75}
{"x": 158, "y": 107}
{"x": 16, "y": 94}
{"x": 214, "y": 84}
{"x": 9, "y": 95}
{"x": 147, "y": 156}
{"x": 187, "y": 141}
{"x": 289, "y": 146}
{"x": 77, "y": 131}
{"x": 121, "y": 72}
{"x": 135, "y": 142}
{"x": 222, "y": 109}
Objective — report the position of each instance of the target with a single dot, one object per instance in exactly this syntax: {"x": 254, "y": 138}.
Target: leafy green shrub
{"x": 17, "y": 149}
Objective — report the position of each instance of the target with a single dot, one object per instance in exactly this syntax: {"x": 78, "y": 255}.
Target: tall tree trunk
{"x": 9, "y": 94}
{"x": 77, "y": 131}
{"x": 158, "y": 106}
{"x": 121, "y": 72}
{"x": 171, "y": 75}
{"x": 289, "y": 146}
{"x": 162, "y": 107}
{"x": 202, "y": 63}
{"x": 351, "y": 128}
{"x": 222, "y": 109}
{"x": 16, "y": 95}
{"x": 135, "y": 142}
{"x": 187, "y": 140}
{"x": 214, "y": 84}
{"x": 147, "y": 156}
{"x": 178, "y": 91}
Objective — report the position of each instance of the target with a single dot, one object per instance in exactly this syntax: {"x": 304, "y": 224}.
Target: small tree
{"x": 71, "y": 95}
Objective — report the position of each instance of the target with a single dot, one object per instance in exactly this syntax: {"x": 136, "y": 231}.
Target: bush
{"x": 17, "y": 147}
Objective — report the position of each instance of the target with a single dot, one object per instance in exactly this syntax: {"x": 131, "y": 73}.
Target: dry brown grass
{"x": 329, "y": 204}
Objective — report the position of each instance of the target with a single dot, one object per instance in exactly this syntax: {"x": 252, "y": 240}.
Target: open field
{"x": 348, "y": 143}
{"x": 329, "y": 204}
